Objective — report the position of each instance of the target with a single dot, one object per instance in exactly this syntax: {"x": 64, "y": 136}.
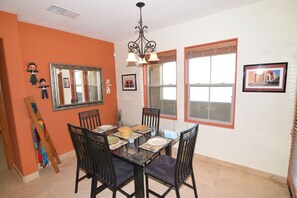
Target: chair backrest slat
{"x": 185, "y": 154}
{"x": 89, "y": 119}
{"x": 151, "y": 117}
{"x": 81, "y": 149}
{"x": 101, "y": 156}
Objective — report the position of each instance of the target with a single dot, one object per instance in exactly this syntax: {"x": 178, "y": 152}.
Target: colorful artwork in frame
{"x": 129, "y": 82}
{"x": 268, "y": 77}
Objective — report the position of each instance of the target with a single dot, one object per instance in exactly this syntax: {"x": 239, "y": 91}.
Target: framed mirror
{"x": 75, "y": 86}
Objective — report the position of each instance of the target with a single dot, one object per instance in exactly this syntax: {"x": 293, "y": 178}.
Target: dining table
{"x": 140, "y": 152}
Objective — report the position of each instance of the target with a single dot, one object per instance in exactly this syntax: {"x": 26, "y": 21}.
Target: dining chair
{"x": 111, "y": 172}
{"x": 82, "y": 152}
{"x": 174, "y": 172}
{"x": 151, "y": 117}
{"x": 89, "y": 119}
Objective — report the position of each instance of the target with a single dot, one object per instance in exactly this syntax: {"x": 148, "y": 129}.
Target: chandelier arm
{"x": 134, "y": 47}
{"x": 143, "y": 29}
{"x": 150, "y": 46}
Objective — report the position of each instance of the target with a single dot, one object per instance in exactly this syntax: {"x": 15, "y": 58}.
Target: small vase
{"x": 120, "y": 123}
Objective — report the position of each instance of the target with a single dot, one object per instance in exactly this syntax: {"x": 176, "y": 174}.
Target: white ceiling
{"x": 114, "y": 20}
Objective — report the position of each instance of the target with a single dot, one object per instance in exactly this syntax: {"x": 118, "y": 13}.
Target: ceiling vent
{"x": 62, "y": 11}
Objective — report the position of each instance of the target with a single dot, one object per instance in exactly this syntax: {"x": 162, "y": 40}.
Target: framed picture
{"x": 66, "y": 83}
{"x": 268, "y": 77}
{"x": 129, "y": 82}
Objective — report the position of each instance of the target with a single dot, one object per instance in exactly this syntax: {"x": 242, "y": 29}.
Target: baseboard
{"x": 249, "y": 170}
{"x": 259, "y": 173}
{"x": 35, "y": 175}
{"x": 26, "y": 178}
{"x": 65, "y": 155}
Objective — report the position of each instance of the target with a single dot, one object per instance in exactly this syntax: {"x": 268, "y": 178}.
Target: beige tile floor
{"x": 212, "y": 181}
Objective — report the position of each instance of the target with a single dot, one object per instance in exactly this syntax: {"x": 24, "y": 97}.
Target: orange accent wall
{"x": 12, "y": 79}
{"x": 25, "y": 43}
{"x": 44, "y": 45}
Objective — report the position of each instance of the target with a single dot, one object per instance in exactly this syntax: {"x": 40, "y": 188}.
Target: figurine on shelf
{"x": 43, "y": 87}
{"x": 32, "y": 68}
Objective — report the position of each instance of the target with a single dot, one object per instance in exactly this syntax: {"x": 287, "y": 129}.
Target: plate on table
{"x": 104, "y": 127}
{"x": 112, "y": 139}
{"x": 157, "y": 141}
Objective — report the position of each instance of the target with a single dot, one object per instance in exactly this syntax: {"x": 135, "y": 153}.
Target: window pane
{"x": 221, "y": 94}
{"x": 79, "y": 97}
{"x": 93, "y": 82}
{"x": 155, "y": 97}
{"x": 199, "y": 70}
{"x": 169, "y": 93}
{"x": 92, "y": 77}
{"x": 154, "y": 75}
{"x": 220, "y": 111}
{"x": 167, "y": 104}
{"x": 199, "y": 94}
{"x": 223, "y": 68}
{"x": 199, "y": 109}
{"x": 169, "y": 73}
{"x": 78, "y": 77}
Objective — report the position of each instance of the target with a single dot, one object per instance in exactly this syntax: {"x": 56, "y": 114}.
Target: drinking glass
{"x": 131, "y": 146}
{"x": 153, "y": 131}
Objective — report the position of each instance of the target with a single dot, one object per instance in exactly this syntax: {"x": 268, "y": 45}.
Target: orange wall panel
{"x": 12, "y": 79}
{"x": 44, "y": 45}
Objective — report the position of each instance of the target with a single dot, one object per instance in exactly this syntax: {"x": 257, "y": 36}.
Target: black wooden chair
{"x": 82, "y": 152}
{"x": 151, "y": 117}
{"x": 89, "y": 119}
{"x": 111, "y": 172}
{"x": 173, "y": 172}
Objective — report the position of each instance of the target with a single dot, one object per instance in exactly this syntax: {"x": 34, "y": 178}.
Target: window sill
{"x": 228, "y": 126}
{"x": 168, "y": 117}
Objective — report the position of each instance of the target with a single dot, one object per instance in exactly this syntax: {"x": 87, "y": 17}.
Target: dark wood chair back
{"x": 101, "y": 156}
{"x": 82, "y": 152}
{"x": 174, "y": 172}
{"x": 111, "y": 172}
{"x": 185, "y": 154}
{"x": 89, "y": 119}
{"x": 151, "y": 117}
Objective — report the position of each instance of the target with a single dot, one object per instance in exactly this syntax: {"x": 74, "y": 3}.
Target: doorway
{"x": 3, "y": 161}
{"x": 6, "y": 159}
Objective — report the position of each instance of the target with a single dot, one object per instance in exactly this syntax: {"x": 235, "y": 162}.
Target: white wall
{"x": 267, "y": 33}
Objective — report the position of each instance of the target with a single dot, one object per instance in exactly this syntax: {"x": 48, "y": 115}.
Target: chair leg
{"x": 194, "y": 185}
{"x": 76, "y": 179}
{"x": 114, "y": 193}
{"x": 177, "y": 192}
{"x": 147, "y": 186}
{"x": 93, "y": 187}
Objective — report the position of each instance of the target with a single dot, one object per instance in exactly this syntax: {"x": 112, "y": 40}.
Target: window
{"x": 161, "y": 84}
{"x": 78, "y": 88}
{"x": 93, "y": 78}
{"x": 210, "y": 83}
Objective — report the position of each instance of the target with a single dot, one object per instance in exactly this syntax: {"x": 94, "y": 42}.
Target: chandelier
{"x": 141, "y": 47}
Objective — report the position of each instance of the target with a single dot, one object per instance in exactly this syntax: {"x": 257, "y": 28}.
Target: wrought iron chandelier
{"x": 141, "y": 47}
